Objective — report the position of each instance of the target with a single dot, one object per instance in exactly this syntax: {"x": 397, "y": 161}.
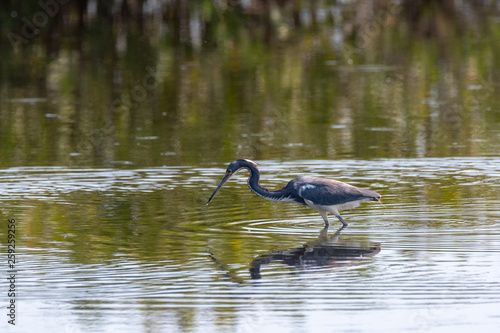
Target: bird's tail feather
{"x": 376, "y": 197}
{"x": 380, "y": 202}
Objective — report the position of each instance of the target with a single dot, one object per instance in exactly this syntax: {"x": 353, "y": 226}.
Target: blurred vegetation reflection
{"x": 94, "y": 83}
{"x": 109, "y": 92}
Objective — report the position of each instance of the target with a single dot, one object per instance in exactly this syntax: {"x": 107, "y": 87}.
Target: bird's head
{"x": 232, "y": 168}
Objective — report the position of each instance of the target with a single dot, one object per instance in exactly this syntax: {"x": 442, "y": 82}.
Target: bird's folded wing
{"x": 327, "y": 195}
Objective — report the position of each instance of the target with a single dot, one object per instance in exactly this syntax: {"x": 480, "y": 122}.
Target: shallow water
{"x": 108, "y": 249}
{"x": 117, "y": 122}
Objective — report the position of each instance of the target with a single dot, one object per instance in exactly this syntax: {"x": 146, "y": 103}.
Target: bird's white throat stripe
{"x": 282, "y": 199}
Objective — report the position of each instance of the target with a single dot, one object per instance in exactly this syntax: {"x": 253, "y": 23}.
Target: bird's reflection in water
{"x": 325, "y": 251}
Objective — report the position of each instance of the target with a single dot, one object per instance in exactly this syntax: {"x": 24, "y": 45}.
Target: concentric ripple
{"x": 141, "y": 244}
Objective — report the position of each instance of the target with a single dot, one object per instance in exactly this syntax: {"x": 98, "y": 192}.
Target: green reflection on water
{"x": 207, "y": 82}
{"x": 282, "y": 88}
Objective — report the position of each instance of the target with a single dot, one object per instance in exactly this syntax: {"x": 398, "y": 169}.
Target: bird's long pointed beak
{"x": 222, "y": 182}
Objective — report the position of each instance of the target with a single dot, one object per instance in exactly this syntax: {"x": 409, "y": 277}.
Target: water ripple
{"x": 150, "y": 243}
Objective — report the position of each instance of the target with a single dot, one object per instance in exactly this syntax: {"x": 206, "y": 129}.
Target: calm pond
{"x": 117, "y": 122}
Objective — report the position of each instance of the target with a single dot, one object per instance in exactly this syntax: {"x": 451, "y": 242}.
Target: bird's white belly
{"x": 335, "y": 209}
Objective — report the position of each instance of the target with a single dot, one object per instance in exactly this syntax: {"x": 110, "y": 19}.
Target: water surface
{"x": 137, "y": 249}
{"x": 118, "y": 118}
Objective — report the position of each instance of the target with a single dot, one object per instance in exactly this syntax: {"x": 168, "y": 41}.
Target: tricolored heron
{"x": 324, "y": 195}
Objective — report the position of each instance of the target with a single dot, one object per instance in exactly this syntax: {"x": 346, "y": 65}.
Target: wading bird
{"x": 324, "y": 195}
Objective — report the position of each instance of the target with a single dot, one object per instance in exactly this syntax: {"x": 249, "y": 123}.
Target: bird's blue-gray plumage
{"x": 324, "y": 195}
{"x": 328, "y": 192}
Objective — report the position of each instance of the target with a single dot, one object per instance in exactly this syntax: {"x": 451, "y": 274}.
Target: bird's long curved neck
{"x": 253, "y": 183}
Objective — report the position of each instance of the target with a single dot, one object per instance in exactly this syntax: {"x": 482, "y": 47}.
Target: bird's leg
{"x": 325, "y": 217}
{"x": 342, "y": 220}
